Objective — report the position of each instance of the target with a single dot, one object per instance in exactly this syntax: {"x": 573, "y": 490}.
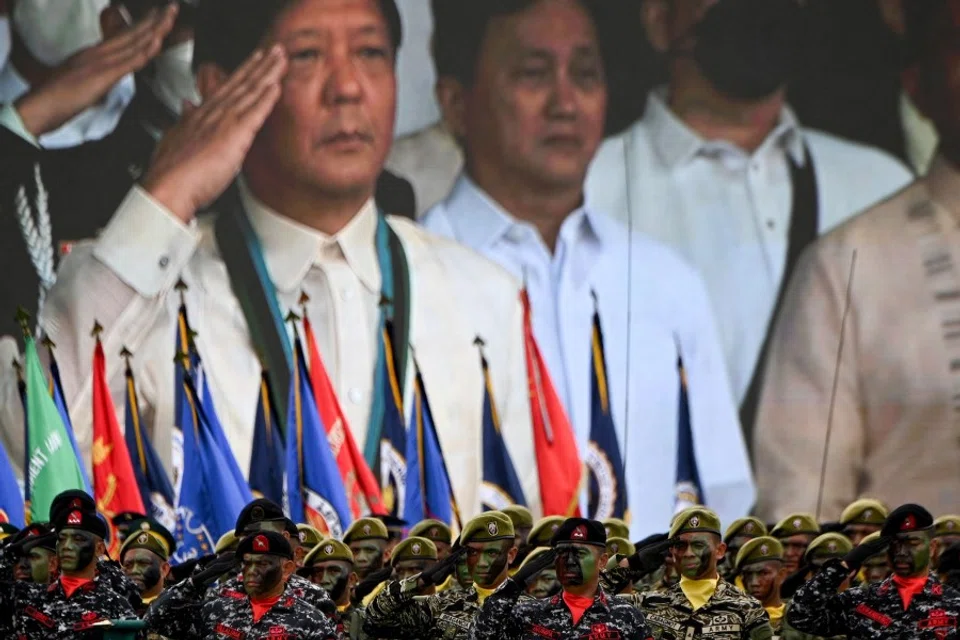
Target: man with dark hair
{"x": 889, "y": 397}
{"x": 37, "y": 545}
{"x": 306, "y": 121}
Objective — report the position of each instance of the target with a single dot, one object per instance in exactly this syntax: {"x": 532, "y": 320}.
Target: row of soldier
{"x": 874, "y": 574}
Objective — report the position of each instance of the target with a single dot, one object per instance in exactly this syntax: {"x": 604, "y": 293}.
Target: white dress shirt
{"x": 649, "y": 302}
{"x": 416, "y": 75}
{"x": 126, "y": 278}
{"x": 728, "y": 211}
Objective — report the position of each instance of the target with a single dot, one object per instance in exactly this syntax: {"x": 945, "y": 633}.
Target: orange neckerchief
{"x": 578, "y": 605}
{"x": 262, "y": 605}
{"x": 70, "y": 585}
{"x": 909, "y": 587}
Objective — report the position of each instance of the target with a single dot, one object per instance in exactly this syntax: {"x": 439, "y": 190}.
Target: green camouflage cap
{"x": 620, "y": 546}
{"x": 693, "y": 520}
{"x": 865, "y": 511}
{"x": 616, "y": 528}
{"x": 829, "y": 545}
{"x": 366, "y": 529}
{"x": 432, "y": 530}
{"x": 759, "y": 549}
{"x": 413, "y": 548}
{"x": 519, "y": 515}
{"x": 794, "y": 524}
{"x": 946, "y": 526}
{"x": 328, "y": 550}
{"x": 745, "y": 527}
{"x": 543, "y": 531}
{"x": 488, "y": 527}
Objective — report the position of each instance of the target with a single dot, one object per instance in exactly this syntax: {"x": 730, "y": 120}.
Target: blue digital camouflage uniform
{"x": 302, "y": 588}
{"x": 509, "y": 618}
{"x": 186, "y": 612}
{"x": 873, "y": 612}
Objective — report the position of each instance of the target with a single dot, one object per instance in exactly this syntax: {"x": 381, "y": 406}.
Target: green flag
{"x": 53, "y": 466}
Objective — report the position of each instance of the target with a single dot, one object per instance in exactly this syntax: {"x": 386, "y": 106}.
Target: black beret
{"x": 38, "y": 534}
{"x": 73, "y": 499}
{"x": 905, "y": 519}
{"x": 265, "y": 543}
{"x": 260, "y": 510}
{"x": 81, "y": 520}
{"x": 580, "y": 531}
{"x": 126, "y": 517}
{"x": 8, "y": 529}
{"x": 151, "y": 525}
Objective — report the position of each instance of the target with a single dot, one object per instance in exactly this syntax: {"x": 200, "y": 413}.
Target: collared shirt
{"x": 126, "y": 280}
{"x": 728, "y": 211}
{"x": 662, "y": 301}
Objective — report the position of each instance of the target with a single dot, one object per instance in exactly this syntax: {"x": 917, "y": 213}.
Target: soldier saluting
{"x": 909, "y": 604}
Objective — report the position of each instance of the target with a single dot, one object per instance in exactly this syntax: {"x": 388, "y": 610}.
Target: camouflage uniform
{"x": 349, "y": 623}
{"x": 528, "y": 618}
{"x": 445, "y": 615}
{"x": 875, "y": 611}
{"x": 184, "y": 613}
{"x": 44, "y": 612}
{"x": 302, "y": 588}
{"x": 789, "y": 632}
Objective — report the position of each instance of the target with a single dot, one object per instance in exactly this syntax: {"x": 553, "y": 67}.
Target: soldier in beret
{"x": 616, "y": 528}
{"x": 329, "y": 565}
{"x": 123, "y": 523}
{"x": 545, "y": 583}
{"x": 760, "y": 564}
{"x": 395, "y": 527}
{"x": 702, "y": 605}
{"x": 876, "y": 568}
{"x": 910, "y": 604}
{"x": 436, "y": 532}
{"x": 582, "y": 610}
{"x": 226, "y": 544}
{"x": 309, "y": 538}
{"x": 539, "y": 536}
{"x": 738, "y": 534}
{"x": 37, "y": 546}
{"x": 620, "y": 546}
{"x": 412, "y": 557}
{"x": 268, "y": 607}
{"x": 145, "y": 556}
{"x": 487, "y": 541}
{"x": 69, "y": 607}
{"x": 522, "y": 520}
{"x": 367, "y": 539}
{"x": 861, "y": 518}
{"x": 795, "y": 533}
{"x": 946, "y": 529}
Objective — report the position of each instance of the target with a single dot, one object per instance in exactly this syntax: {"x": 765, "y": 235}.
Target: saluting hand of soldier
{"x": 199, "y": 157}
{"x": 87, "y": 76}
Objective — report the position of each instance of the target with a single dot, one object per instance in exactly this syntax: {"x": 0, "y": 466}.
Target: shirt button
{"x": 164, "y": 261}
{"x": 355, "y": 395}
{"x": 515, "y": 234}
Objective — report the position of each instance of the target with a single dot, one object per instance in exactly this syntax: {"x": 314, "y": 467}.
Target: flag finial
{"x": 292, "y": 317}
{"x": 97, "y": 330}
{"x": 304, "y": 298}
{"x": 385, "y": 301}
{"x": 23, "y": 319}
{"x": 125, "y": 353}
{"x": 48, "y": 342}
{"x": 182, "y": 287}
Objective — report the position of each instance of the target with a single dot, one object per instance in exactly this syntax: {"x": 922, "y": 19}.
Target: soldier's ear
{"x": 288, "y": 567}
{"x": 164, "y": 572}
{"x": 721, "y": 550}
{"x": 352, "y": 580}
{"x": 100, "y": 549}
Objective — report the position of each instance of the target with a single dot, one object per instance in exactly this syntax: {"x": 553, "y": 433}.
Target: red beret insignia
{"x": 75, "y": 518}
{"x": 261, "y": 544}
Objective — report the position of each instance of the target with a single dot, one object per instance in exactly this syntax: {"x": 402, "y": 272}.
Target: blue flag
{"x": 155, "y": 488}
{"x": 210, "y": 499}
{"x": 608, "y": 487}
{"x": 267, "y": 457}
{"x": 429, "y": 491}
{"x": 393, "y": 434}
{"x": 11, "y": 500}
{"x": 314, "y": 490}
{"x": 56, "y": 390}
{"x": 501, "y": 486}
{"x": 688, "y": 476}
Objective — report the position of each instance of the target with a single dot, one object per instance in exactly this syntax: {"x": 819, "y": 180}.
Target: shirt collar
{"x": 677, "y": 144}
{"x": 291, "y": 248}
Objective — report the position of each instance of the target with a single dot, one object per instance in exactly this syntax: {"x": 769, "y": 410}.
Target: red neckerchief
{"x": 262, "y": 605}
{"x": 909, "y": 587}
{"x": 578, "y": 605}
{"x": 70, "y": 585}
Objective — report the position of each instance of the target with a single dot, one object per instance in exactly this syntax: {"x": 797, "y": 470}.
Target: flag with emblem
{"x": 501, "y": 486}
{"x": 688, "y": 476}
{"x": 114, "y": 484}
{"x": 392, "y": 452}
{"x": 156, "y": 491}
{"x": 429, "y": 491}
{"x": 607, "y": 484}
{"x": 314, "y": 492}
{"x": 267, "y": 455}
{"x": 52, "y": 465}
{"x": 56, "y": 391}
{"x": 558, "y": 462}
{"x": 11, "y": 500}
{"x": 363, "y": 491}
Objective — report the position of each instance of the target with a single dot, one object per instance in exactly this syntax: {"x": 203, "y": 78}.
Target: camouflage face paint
{"x": 261, "y": 574}
{"x": 695, "y": 555}
{"x": 487, "y": 561}
{"x": 576, "y": 564}
{"x": 76, "y": 550}
{"x": 910, "y": 554}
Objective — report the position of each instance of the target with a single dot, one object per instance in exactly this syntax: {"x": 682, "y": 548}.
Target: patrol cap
{"x": 865, "y": 511}
{"x": 37, "y": 534}
{"x": 366, "y": 529}
{"x": 76, "y": 499}
{"x": 796, "y": 524}
{"x": 828, "y": 545}
{"x": 749, "y": 526}
{"x": 260, "y": 510}
{"x": 946, "y": 526}
{"x": 328, "y": 550}
{"x": 265, "y": 543}
{"x": 145, "y": 540}
{"x": 543, "y": 531}
{"x": 693, "y": 520}
{"x": 520, "y": 516}
{"x": 413, "y": 548}
{"x": 7, "y": 530}
{"x": 616, "y": 528}
{"x": 80, "y": 520}
{"x": 432, "y": 530}
{"x": 488, "y": 527}
{"x": 227, "y": 542}
{"x": 620, "y": 546}
{"x": 906, "y": 519}
{"x": 149, "y": 524}
{"x": 580, "y": 531}
{"x": 762, "y": 549}
{"x": 308, "y": 536}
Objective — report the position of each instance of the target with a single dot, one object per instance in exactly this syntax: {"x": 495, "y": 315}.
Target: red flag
{"x": 361, "y": 485}
{"x": 115, "y": 486}
{"x": 558, "y": 462}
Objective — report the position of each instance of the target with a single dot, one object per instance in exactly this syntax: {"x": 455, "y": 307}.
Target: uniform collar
{"x": 290, "y": 248}
{"x": 943, "y": 181}
{"x": 677, "y": 144}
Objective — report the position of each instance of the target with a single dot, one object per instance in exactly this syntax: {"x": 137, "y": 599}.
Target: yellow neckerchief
{"x": 738, "y": 583}
{"x": 698, "y": 591}
{"x": 446, "y": 583}
{"x": 147, "y": 601}
{"x": 776, "y": 614}
{"x": 483, "y": 593}
{"x": 343, "y": 607}
{"x": 373, "y": 594}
